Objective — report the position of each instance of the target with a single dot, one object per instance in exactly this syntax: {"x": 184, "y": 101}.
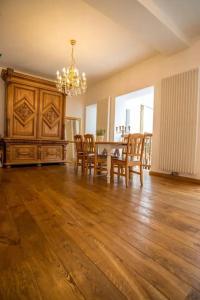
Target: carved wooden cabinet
{"x": 50, "y": 118}
{"x": 22, "y": 111}
{"x": 34, "y": 123}
{"x": 1, "y": 153}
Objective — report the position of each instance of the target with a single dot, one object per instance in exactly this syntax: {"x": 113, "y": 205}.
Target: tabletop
{"x": 110, "y": 143}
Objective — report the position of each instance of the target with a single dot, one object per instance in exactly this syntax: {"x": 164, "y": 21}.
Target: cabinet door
{"x": 51, "y": 153}
{"x": 50, "y": 115}
{"x": 22, "y": 111}
{"x": 22, "y": 154}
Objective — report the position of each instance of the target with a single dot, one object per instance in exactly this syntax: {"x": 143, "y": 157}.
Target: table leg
{"x": 109, "y": 148}
{"x": 108, "y": 166}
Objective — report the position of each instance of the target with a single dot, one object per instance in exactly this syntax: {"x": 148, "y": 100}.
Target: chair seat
{"x": 89, "y": 154}
{"x": 122, "y": 158}
{"x": 101, "y": 159}
{"x": 80, "y": 153}
{"x": 122, "y": 161}
{"x": 102, "y": 156}
{"x": 93, "y": 154}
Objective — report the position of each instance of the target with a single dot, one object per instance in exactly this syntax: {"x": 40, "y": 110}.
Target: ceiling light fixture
{"x": 69, "y": 82}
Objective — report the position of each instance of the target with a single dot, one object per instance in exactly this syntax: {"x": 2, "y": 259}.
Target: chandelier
{"x": 69, "y": 82}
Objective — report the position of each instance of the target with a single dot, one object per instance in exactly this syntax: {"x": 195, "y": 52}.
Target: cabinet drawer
{"x": 23, "y": 153}
{"x": 51, "y": 153}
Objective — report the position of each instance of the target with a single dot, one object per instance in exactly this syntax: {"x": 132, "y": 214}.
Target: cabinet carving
{"x": 50, "y": 153}
{"x": 23, "y": 153}
{"x": 34, "y": 127}
{"x": 22, "y": 111}
{"x": 50, "y": 115}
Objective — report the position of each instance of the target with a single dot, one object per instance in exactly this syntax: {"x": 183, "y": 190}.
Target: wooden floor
{"x": 63, "y": 236}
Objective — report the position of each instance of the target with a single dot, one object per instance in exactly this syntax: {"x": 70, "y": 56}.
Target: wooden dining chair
{"x": 147, "y": 150}
{"x": 93, "y": 159}
{"x": 89, "y": 152}
{"x": 78, "y": 139}
{"x": 100, "y": 162}
{"x": 125, "y": 140}
{"x": 132, "y": 158}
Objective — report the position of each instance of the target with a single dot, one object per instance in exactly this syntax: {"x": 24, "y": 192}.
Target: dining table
{"x": 109, "y": 146}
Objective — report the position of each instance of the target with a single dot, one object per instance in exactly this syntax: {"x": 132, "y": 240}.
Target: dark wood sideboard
{"x": 34, "y": 121}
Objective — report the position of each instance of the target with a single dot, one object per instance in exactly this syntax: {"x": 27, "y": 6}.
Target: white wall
{"x": 147, "y": 73}
{"x": 74, "y": 106}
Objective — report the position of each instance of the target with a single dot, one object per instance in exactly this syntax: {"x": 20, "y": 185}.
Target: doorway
{"x": 72, "y": 127}
{"x": 134, "y": 113}
{"x": 91, "y": 119}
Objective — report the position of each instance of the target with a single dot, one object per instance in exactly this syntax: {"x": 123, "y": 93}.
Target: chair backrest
{"x": 135, "y": 146}
{"x": 147, "y": 149}
{"x": 148, "y": 139}
{"x": 125, "y": 140}
{"x": 89, "y": 144}
{"x": 78, "y": 139}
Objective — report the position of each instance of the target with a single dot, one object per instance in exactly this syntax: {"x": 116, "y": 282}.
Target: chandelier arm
{"x": 70, "y": 82}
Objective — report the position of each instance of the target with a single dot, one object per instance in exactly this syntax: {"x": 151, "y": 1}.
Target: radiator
{"x": 178, "y": 125}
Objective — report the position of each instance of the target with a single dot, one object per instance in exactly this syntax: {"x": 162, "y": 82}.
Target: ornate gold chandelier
{"x": 69, "y": 82}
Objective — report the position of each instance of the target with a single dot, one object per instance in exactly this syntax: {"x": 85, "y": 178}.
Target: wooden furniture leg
{"x": 127, "y": 175}
{"x": 108, "y": 166}
{"x": 141, "y": 175}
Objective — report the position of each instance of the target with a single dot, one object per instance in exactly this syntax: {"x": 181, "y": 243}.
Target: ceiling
{"x": 111, "y": 34}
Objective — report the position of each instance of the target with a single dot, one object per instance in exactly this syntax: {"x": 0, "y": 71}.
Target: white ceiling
{"x": 111, "y": 34}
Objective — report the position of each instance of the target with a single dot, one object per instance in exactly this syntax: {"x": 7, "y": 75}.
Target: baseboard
{"x": 180, "y": 178}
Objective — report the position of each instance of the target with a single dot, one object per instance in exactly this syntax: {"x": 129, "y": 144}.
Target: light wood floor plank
{"x": 65, "y": 236}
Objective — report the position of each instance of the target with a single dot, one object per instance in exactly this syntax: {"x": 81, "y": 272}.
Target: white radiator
{"x": 178, "y": 126}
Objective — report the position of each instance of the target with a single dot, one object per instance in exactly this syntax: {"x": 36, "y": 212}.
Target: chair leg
{"x": 86, "y": 166}
{"x": 118, "y": 172}
{"x": 99, "y": 165}
{"x": 112, "y": 171}
{"x": 95, "y": 167}
{"x": 90, "y": 167}
{"x": 130, "y": 174}
{"x": 127, "y": 175}
{"x": 141, "y": 175}
{"x": 76, "y": 165}
{"x": 83, "y": 165}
